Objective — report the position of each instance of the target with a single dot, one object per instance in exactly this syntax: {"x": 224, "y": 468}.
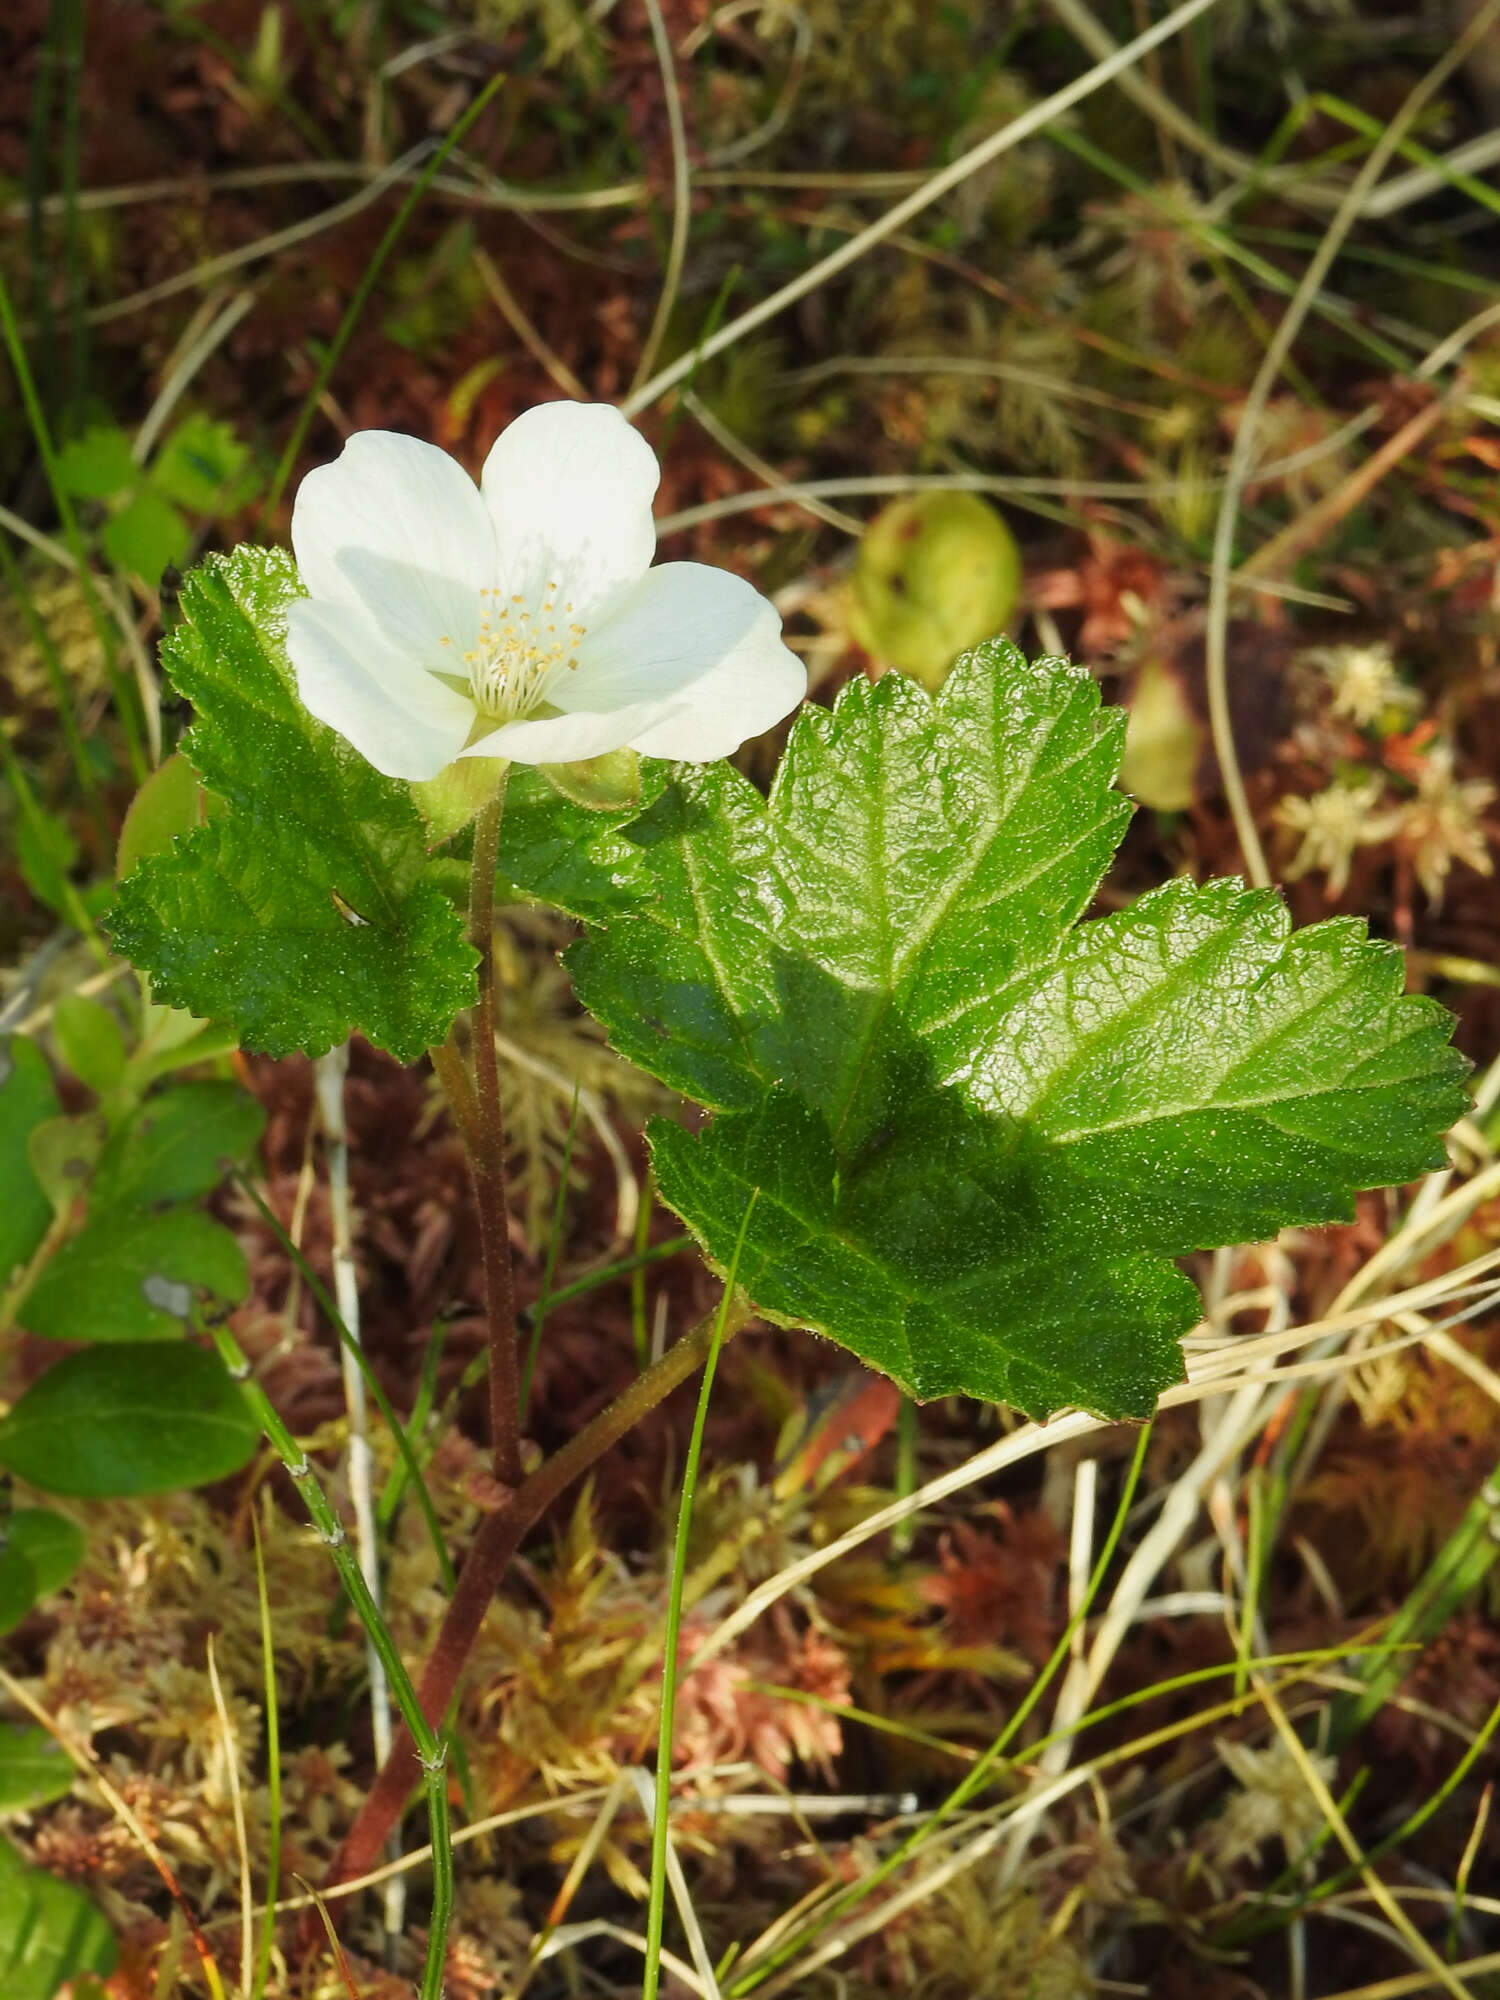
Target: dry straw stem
{"x": 682, "y": 196}
{"x": 931, "y": 190}
{"x": 1210, "y": 1375}
{"x": 1418, "y": 1946}
{"x": 204, "y": 333}
{"x": 1242, "y": 455}
{"x": 242, "y": 1844}
{"x": 331, "y": 1073}
{"x": 752, "y": 462}
{"x": 520, "y": 324}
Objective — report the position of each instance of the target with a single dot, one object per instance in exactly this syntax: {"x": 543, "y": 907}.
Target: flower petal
{"x": 564, "y": 739}
{"x": 398, "y": 718}
{"x": 701, "y": 644}
{"x": 396, "y": 529}
{"x": 569, "y": 488}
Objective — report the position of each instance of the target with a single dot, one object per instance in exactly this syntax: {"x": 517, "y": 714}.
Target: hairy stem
{"x": 485, "y": 1140}
{"x": 497, "y": 1541}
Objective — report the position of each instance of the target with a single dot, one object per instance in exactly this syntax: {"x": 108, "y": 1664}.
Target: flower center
{"x": 520, "y": 650}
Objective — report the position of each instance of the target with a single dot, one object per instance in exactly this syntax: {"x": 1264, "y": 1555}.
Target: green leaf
{"x": 98, "y": 464}
{"x": 204, "y": 467}
{"x": 177, "y": 1145}
{"x": 40, "y": 1553}
{"x": 573, "y": 856}
{"x": 147, "y": 535}
{"x": 301, "y": 912}
{"x": 89, "y": 1041}
{"x": 112, "y": 1422}
{"x": 130, "y": 1275}
{"x": 27, "y": 1099}
{"x": 981, "y": 1131}
{"x": 170, "y": 802}
{"x": 49, "y": 1931}
{"x": 34, "y": 1769}
{"x": 48, "y": 854}
{"x": 63, "y": 1154}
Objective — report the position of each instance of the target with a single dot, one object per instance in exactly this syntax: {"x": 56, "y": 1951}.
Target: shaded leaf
{"x": 204, "y": 467}
{"x": 177, "y": 1145}
{"x": 49, "y": 1931}
{"x": 34, "y": 1769}
{"x": 63, "y": 1152}
{"x": 147, "y": 535}
{"x": 133, "y": 1275}
{"x": 27, "y": 1099}
{"x": 116, "y": 1421}
{"x": 41, "y": 1551}
{"x": 574, "y": 856}
{"x": 169, "y": 803}
{"x": 98, "y": 464}
{"x": 89, "y": 1041}
{"x": 244, "y": 917}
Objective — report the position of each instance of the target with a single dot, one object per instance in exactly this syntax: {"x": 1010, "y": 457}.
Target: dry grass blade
{"x": 242, "y": 1844}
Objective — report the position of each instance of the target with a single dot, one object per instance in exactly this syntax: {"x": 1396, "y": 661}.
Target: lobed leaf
{"x": 981, "y": 1131}
{"x": 302, "y": 908}
{"x": 177, "y": 1145}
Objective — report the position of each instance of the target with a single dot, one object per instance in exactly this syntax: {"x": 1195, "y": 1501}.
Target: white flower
{"x": 521, "y": 619}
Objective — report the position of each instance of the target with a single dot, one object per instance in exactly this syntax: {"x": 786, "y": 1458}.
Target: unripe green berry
{"x": 934, "y": 575}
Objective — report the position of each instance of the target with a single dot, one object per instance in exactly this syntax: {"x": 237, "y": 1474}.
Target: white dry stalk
{"x": 214, "y": 268}
{"x": 474, "y": 185}
{"x": 1014, "y": 486}
{"x": 1237, "y": 1423}
{"x": 571, "y": 1935}
{"x": 582, "y": 1862}
{"x": 1298, "y": 189}
{"x": 752, "y": 462}
{"x": 331, "y": 1072}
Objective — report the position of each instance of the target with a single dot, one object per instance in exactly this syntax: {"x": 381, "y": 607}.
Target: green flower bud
{"x": 604, "y": 784}
{"x": 455, "y": 796}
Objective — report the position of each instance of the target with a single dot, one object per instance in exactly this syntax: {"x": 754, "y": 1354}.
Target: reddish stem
{"x": 497, "y": 1541}
{"x": 485, "y": 1142}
